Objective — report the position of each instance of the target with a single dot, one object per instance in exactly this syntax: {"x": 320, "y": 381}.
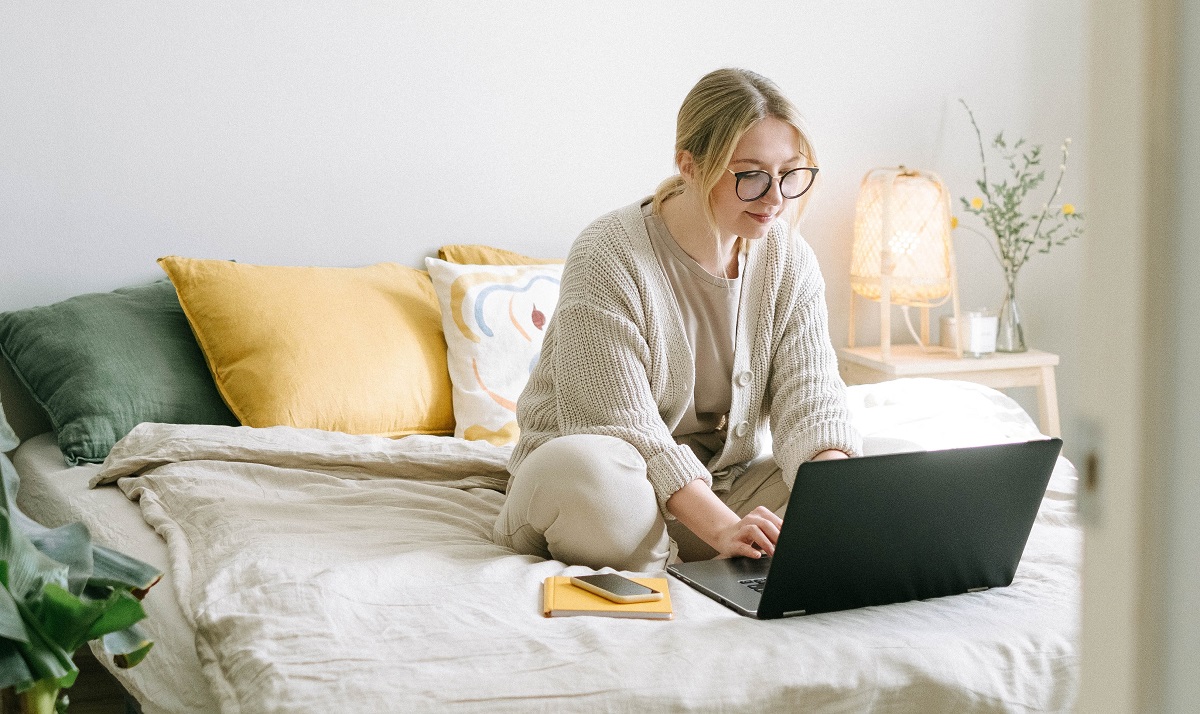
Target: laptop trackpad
{"x": 735, "y": 581}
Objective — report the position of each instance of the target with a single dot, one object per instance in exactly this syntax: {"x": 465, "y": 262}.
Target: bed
{"x": 310, "y": 569}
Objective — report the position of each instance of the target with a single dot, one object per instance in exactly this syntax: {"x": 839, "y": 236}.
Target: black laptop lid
{"x": 927, "y": 524}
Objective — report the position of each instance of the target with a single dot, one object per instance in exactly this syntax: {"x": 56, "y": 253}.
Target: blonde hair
{"x": 715, "y": 114}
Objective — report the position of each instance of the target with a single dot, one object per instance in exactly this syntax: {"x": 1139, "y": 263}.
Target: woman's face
{"x": 770, "y": 145}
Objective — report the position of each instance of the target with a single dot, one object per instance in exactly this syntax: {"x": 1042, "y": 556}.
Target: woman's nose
{"x": 774, "y": 194}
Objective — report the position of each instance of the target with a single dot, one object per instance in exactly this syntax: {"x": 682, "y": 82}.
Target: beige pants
{"x": 585, "y": 500}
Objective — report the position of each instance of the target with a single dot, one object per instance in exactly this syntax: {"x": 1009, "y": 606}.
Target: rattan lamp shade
{"x": 903, "y": 252}
{"x": 902, "y": 229}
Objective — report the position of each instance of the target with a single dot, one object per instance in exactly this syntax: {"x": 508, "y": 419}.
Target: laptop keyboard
{"x": 755, "y": 584}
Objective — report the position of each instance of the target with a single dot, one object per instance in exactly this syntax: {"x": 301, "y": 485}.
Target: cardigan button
{"x": 745, "y": 378}
{"x": 741, "y": 429}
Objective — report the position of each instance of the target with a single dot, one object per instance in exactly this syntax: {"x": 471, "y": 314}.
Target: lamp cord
{"x": 911, "y": 330}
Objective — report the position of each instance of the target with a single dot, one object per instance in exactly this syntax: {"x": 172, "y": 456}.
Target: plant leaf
{"x": 128, "y": 646}
{"x": 106, "y": 567}
{"x": 70, "y": 545}
{"x": 115, "y": 569}
{"x": 12, "y": 627}
{"x": 13, "y": 670}
{"x": 60, "y": 590}
{"x": 65, "y": 618}
{"x": 28, "y": 568}
{"x": 120, "y": 612}
{"x": 45, "y": 658}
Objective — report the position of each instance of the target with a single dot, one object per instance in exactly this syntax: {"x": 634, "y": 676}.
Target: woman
{"x": 686, "y": 324}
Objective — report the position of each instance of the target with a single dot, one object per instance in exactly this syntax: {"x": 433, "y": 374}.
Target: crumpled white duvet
{"x": 331, "y": 573}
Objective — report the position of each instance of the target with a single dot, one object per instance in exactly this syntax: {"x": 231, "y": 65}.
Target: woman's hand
{"x": 753, "y": 536}
{"x": 716, "y": 524}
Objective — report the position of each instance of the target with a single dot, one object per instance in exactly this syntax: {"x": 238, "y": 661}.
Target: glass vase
{"x": 1009, "y": 335}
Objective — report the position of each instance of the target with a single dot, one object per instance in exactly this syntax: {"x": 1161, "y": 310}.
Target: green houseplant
{"x": 58, "y": 591}
{"x": 1017, "y": 232}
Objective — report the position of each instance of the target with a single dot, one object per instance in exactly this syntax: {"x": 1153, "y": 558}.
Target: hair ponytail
{"x": 672, "y": 186}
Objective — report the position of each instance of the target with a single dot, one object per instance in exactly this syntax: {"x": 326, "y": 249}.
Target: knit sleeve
{"x": 602, "y": 387}
{"x": 604, "y": 357}
{"x": 807, "y": 395}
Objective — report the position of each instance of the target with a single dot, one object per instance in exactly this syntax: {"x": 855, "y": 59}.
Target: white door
{"x": 1141, "y": 511}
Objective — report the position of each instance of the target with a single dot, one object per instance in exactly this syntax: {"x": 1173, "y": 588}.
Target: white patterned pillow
{"x": 494, "y": 318}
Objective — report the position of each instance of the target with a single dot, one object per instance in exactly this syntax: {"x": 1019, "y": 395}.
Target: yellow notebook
{"x": 562, "y": 599}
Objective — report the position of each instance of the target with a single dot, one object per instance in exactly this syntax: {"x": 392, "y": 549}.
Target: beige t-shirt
{"x": 709, "y": 306}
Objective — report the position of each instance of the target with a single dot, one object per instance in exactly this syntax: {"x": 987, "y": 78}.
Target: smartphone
{"x": 616, "y": 588}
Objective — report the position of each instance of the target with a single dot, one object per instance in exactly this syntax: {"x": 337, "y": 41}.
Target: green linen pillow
{"x": 101, "y": 364}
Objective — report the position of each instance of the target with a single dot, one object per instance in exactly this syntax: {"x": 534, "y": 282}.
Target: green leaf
{"x": 13, "y": 670}
{"x": 28, "y": 568}
{"x": 71, "y": 621}
{"x": 65, "y": 618}
{"x": 70, "y": 545}
{"x": 128, "y": 646}
{"x": 45, "y": 658}
{"x": 59, "y": 591}
{"x": 121, "y": 611}
{"x": 107, "y": 567}
{"x": 12, "y": 627}
{"x": 115, "y": 569}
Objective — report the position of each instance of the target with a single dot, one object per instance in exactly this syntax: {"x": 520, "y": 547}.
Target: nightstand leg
{"x": 1048, "y": 404}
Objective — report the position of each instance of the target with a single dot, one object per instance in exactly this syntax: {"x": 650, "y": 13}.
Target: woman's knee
{"x": 588, "y": 500}
{"x": 587, "y": 465}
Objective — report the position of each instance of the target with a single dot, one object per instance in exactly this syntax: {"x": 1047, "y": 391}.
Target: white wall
{"x": 350, "y": 132}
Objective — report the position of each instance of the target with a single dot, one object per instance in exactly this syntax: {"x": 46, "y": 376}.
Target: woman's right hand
{"x": 753, "y": 536}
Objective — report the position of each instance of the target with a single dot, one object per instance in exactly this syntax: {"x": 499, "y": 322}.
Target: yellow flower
{"x": 1068, "y": 209}
{"x": 977, "y": 203}
{"x": 953, "y": 222}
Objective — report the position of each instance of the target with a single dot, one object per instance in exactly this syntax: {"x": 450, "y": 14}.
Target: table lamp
{"x": 902, "y": 252}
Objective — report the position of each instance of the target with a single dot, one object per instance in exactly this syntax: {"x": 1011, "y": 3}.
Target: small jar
{"x": 978, "y": 332}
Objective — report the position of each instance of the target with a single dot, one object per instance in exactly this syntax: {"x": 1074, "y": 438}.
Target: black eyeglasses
{"x": 753, "y": 185}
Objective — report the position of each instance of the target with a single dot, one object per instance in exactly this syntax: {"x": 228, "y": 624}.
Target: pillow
{"x": 357, "y": 350}
{"x": 494, "y": 319}
{"x": 101, "y": 364}
{"x": 487, "y": 255}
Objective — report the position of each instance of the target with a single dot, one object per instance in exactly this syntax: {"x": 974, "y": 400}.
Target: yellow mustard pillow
{"x": 487, "y": 255}
{"x": 357, "y": 350}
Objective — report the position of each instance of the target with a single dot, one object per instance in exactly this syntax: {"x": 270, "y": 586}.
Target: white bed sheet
{"x": 345, "y": 582}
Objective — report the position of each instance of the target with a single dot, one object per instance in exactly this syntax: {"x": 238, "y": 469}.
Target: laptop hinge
{"x": 978, "y": 590}
{"x": 789, "y": 613}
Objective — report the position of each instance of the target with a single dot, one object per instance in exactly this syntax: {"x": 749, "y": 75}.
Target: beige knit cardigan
{"x": 616, "y": 361}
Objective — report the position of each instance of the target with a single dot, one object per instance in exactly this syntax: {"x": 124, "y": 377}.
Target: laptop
{"x": 890, "y": 528}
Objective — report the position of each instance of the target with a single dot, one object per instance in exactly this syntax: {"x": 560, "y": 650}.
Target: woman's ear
{"x": 687, "y": 165}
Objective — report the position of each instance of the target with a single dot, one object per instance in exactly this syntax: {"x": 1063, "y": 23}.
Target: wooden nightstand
{"x": 1001, "y": 370}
